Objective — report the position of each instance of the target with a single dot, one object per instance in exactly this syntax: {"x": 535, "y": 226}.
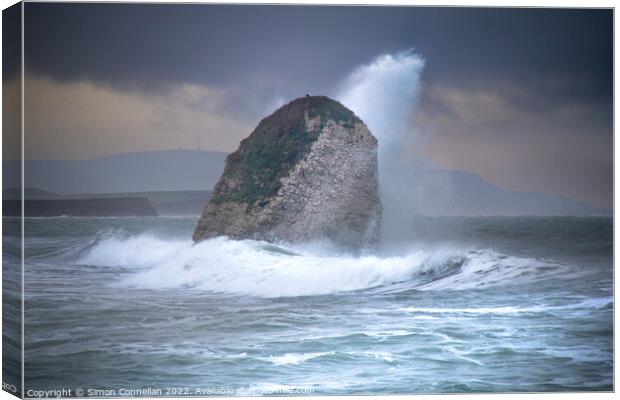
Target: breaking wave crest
{"x": 260, "y": 269}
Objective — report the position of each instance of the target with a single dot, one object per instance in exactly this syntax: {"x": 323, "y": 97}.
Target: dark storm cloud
{"x": 11, "y": 45}
{"x": 154, "y": 44}
{"x": 497, "y": 83}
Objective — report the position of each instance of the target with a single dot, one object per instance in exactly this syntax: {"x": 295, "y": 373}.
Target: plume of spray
{"x": 384, "y": 94}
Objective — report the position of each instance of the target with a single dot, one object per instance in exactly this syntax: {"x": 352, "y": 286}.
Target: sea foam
{"x": 256, "y": 268}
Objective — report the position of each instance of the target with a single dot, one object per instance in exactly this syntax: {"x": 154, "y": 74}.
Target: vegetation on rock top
{"x": 277, "y": 144}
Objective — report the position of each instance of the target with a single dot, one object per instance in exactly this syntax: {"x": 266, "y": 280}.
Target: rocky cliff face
{"x": 307, "y": 172}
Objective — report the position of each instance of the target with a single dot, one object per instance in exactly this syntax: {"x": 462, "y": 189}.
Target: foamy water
{"x": 266, "y": 270}
{"x": 467, "y": 306}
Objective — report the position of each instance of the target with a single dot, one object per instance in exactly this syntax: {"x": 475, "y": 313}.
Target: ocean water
{"x": 460, "y": 305}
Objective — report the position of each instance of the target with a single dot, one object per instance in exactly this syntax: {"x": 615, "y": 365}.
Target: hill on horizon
{"x": 168, "y": 170}
{"x": 438, "y": 192}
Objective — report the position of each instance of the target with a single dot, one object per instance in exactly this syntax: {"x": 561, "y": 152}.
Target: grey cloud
{"x": 566, "y": 149}
{"x": 82, "y": 120}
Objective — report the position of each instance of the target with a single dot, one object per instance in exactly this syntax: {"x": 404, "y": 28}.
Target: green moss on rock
{"x": 253, "y": 173}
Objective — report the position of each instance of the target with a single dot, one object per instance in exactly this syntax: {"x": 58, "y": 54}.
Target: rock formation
{"x": 307, "y": 172}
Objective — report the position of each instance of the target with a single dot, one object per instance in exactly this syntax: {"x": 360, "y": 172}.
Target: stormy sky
{"x": 522, "y": 97}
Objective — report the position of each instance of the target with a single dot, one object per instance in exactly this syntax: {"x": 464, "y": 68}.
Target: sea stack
{"x": 308, "y": 172}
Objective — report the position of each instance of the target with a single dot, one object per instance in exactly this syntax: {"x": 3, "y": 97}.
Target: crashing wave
{"x": 260, "y": 269}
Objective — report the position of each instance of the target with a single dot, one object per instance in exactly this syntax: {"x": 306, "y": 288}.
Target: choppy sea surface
{"x": 462, "y": 305}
